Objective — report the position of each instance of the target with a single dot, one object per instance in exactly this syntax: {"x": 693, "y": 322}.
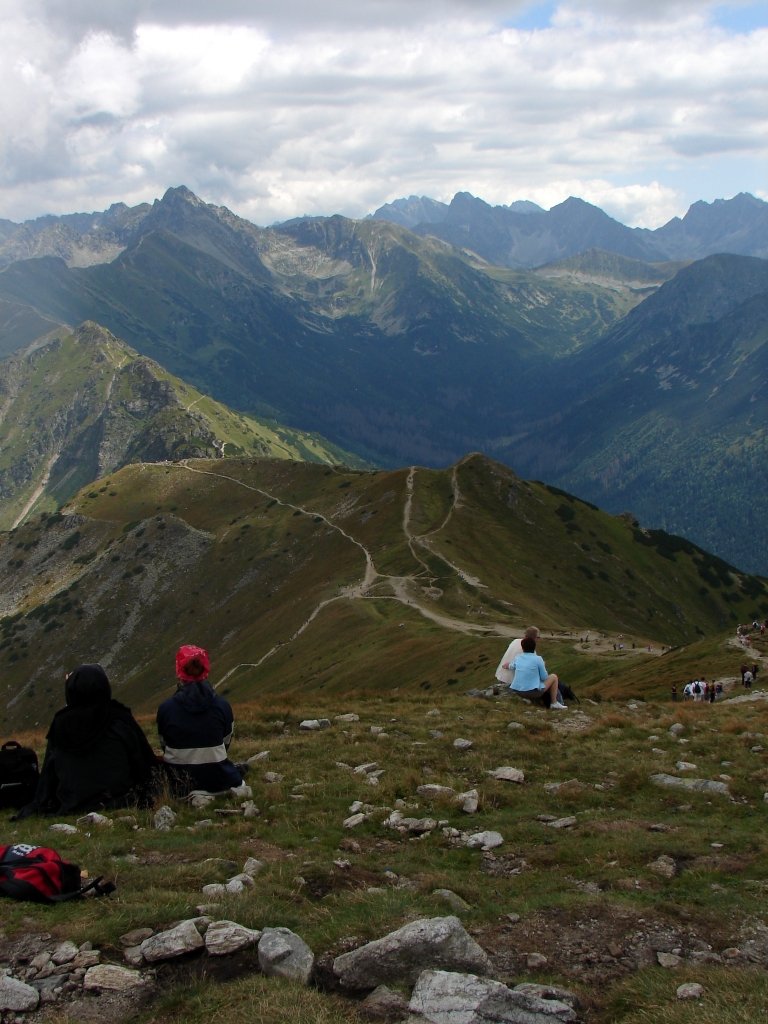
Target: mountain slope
{"x": 299, "y": 576}
{"x": 674, "y": 422}
{"x": 85, "y": 404}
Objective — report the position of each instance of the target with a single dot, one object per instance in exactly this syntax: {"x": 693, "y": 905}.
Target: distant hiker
{"x": 531, "y": 677}
{"x": 503, "y": 673}
{"x": 696, "y": 690}
{"x": 748, "y": 679}
{"x": 97, "y": 755}
{"x": 712, "y": 692}
{"x": 674, "y": 692}
{"x": 195, "y": 727}
{"x": 744, "y": 670}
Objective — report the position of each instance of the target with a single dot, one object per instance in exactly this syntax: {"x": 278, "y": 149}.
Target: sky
{"x": 290, "y": 108}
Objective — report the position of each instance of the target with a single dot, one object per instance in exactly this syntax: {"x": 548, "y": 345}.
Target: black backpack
{"x": 19, "y": 774}
{"x": 567, "y": 692}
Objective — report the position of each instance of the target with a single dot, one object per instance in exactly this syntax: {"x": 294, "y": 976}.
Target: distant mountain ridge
{"x": 524, "y": 235}
{"x": 404, "y": 348}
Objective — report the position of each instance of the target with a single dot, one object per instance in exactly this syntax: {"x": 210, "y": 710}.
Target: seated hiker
{"x": 97, "y": 755}
{"x": 531, "y": 677}
{"x": 195, "y": 727}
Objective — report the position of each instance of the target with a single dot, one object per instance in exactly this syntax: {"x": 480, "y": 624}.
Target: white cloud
{"x": 278, "y": 109}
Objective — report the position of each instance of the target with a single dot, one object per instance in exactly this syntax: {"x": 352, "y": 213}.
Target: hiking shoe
{"x": 557, "y": 706}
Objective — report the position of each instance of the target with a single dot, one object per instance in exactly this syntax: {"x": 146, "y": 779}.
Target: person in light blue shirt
{"x": 531, "y": 676}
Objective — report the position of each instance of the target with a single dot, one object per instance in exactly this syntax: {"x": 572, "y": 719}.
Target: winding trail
{"x": 404, "y": 589}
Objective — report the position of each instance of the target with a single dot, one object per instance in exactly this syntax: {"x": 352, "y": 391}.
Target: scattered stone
{"x": 365, "y": 769}
{"x": 261, "y": 756}
{"x": 347, "y": 718}
{"x": 222, "y": 937}
{"x": 676, "y": 728}
{"x": 284, "y": 954}
{"x": 62, "y": 826}
{"x": 164, "y": 819}
{"x": 535, "y": 961}
{"x": 17, "y": 996}
{"x": 401, "y": 956}
{"x": 442, "y": 997}
{"x": 664, "y": 865}
{"x": 468, "y": 802}
{"x": 354, "y": 820}
{"x": 253, "y": 866}
{"x": 691, "y": 990}
{"x": 313, "y": 724}
{"x": 567, "y": 822}
{"x": 93, "y": 818}
{"x": 668, "y": 960}
{"x": 383, "y": 1004}
{"x": 484, "y": 840}
{"x": 571, "y": 786}
{"x": 112, "y": 978}
{"x": 64, "y": 953}
{"x": 184, "y": 938}
{"x": 460, "y": 744}
{"x": 434, "y": 792}
{"x": 199, "y": 800}
{"x": 215, "y": 890}
{"x": 507, "y": 774}
{"x": 454, "y": 901}
{"x": 564, "y": 995}
{"x": 515, "y": 725}
{"x": 697, "y": 785}
{"x": 273, "y": 778}
{"x": 685, "y": 766}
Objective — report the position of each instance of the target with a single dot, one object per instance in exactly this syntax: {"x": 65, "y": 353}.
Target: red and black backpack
{"x": 39, "y": 874}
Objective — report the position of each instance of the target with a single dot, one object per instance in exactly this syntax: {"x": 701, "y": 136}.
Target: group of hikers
{"x": 97, "y": 755}
{"x": 523, "y": 671}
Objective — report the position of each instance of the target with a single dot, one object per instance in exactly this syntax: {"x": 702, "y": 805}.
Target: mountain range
{"x": 298, "y": 575}
{"x": 630, "y": 370}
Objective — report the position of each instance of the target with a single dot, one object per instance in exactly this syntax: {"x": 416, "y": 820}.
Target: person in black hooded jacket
{"x": 96, "y": 756}
{"x": 195, "y": 727}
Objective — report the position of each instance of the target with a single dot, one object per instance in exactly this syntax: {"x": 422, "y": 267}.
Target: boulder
{"x": 401, "y": 956}
{"x": 283, "y": 954}
{"x": 16, "y": 996}
{"x": 112, "y": 978}
{"x": 222, "y": 937}
{"x": 442, "y": 997}
{"x": 184, "y": 938}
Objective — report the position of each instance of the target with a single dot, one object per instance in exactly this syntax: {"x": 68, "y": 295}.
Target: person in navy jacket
{"x": 195, "y": 727}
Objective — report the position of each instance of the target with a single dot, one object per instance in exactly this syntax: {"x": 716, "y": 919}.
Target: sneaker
{"x": 557, "y": 706}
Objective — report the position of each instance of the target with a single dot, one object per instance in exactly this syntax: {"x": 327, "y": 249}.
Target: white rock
{"x": 261, "y": 756}
{"x": 93, "y": 818}
{"x": 61, "y": 826}
{"x": 222, "y": 937}
{"x": 284, "y": 954}
{"x": 112, "y": 977}
{"x": 164, "y": 819}
{"x": 253, "y": 866}
{"x": 461, "y": 744}
{"x": 567, "y": 822}
{"x": 354, "y": 820}
{"x": 16, "y": 996}
{"x": 215, "y": 890}
{"x": 468, "y": 802}
{"x": 184, "y": 938}
{"x": 484, "y": 840}
{"x": 691, "y": 990}
{"x": 507, "y": 774}
{"x": 346, "y": 718}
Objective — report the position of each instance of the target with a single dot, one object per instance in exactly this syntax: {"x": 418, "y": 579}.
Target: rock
{"x": 16, "y": 996}
{"x": 253, "y": 866}
{"x": 164, "y": 819}
{"x": 676, "y": 728}
{"x": 435, "y": 792}
{"x": 64, "y": 953}
{"x": 402, "y": 955}
{"x": 571, "y": 786}
{"x": 62, "y": 826}
{"x": 112, "y": 977}
{"x": 567, "y": 822}
{"x": 284, "y": 954}
{"x": 535, "y": 961}
{"x": 460, "y": 744}
{"x": 364, "y": 769}
{"x": 354, "y": 820}
{"x": 199, "y": 800}
{"x": 690, "y": 990}
{"x": 697, "y": 785}
{"x": 564, "y": 995}
{"x": 507, "y": 774}
{"x": 346, "y": 718}
{"x": 668, "y": 960}
{"x": 215, "y": 890}
{"x": 484, "y": 840}
{"x": 441, "y": 997}
{"x": 184, "y": 938}
{"x": 454, "y": 901}
{"x": 255, "y": 758}
{"x": 468, "y": 802}
{"x": 86, "y": 958}
{"x": 93, "y": 818}
{"x": 313, "y": 724}
{"x": 685, "y": 766}
{"x": 383, "y": 1004}
{"x": 222, "y": 937}
{"x": 133, "y": 956}
{"x": 664, "y": 865}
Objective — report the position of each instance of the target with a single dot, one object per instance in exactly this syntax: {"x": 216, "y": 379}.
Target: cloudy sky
{"x": 277, "y": 108}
